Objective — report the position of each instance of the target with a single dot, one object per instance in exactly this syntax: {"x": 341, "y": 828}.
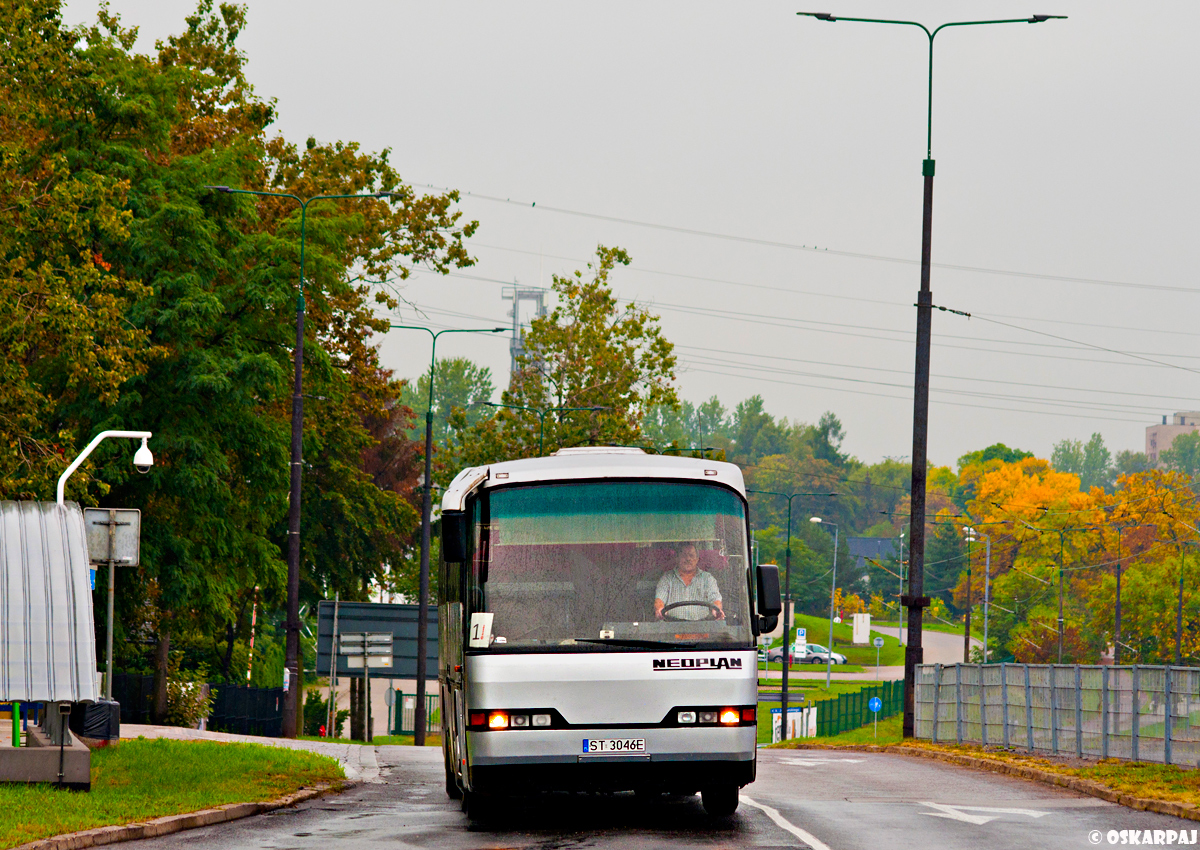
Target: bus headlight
{"x": 708, "y": 717}
{"x": 519, "y": 720}
{"x": 541, "y": 720}
{"x": 686, "y": 717}
{"x": 730, "y": 716}
{"x": 498, "y": 720}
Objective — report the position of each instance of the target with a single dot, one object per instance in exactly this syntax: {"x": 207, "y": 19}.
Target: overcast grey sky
{"x": 1065, "y": 152}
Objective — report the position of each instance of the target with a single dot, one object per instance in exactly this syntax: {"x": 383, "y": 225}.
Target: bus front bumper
{"x": 674, "y": 760}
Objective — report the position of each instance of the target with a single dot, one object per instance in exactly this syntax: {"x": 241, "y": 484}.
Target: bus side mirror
{"x": 769, "y": 602}
{"x": 454, "y": 536}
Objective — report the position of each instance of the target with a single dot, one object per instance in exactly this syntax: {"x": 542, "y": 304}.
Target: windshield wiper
{"x": 648, "y": 644}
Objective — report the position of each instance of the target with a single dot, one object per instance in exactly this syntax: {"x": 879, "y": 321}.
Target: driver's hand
{"x": 720, "y": 614}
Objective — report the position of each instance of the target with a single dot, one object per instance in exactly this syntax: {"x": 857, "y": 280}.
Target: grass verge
{"x": 142, "y": 779}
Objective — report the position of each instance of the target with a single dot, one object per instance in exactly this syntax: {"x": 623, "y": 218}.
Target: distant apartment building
{"x": 1160, "y": 437}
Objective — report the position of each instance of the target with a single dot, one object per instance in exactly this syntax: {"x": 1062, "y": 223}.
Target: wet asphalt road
{"x": 803, "y": 798}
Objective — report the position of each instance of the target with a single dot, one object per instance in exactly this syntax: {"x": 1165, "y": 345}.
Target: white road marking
{"x": 781, "y": 822}
{"x": 960, "y": 813}
{"x": 805, "y": 762}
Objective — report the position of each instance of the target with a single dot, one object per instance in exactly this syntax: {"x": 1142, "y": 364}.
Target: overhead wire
{"x": 771, "y": 243}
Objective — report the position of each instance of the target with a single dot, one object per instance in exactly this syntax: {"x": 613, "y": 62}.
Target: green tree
{"x": 996, "y": 451}
{"x": 1183, "y": 455}
{"x": 588, "y": 352}
{"x": 1130, "y": 463}
{"x": 461, "y": 384}
{"x": 1091, "y": 461}
{"x": 153, "y": 303}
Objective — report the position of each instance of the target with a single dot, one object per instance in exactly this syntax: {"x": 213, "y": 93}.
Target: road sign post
{"x": 114, "y": 538}
{"x": 875, "y": 704}
{"x": 366, "y": 650}
{"x": 878, "y": 645}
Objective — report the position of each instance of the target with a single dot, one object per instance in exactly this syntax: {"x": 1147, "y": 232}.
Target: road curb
{"x": 101, "y": 835}
{"x": 1188, "y": 811}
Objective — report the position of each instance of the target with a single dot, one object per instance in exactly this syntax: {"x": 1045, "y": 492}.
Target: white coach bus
{"x": 598, "y": 628}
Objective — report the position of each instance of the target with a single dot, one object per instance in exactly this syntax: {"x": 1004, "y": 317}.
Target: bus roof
{"x": 591, "y": 462}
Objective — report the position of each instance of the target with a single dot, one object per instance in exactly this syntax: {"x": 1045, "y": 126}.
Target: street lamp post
{"x": 426, "y": 511}
{"x": 292, "y": 703}
{"x": 967, "y": 617}
{"x": 916, "y": 600}
{"x": 972, "y": 535}
{"x": 832, "y": 593}
{"x": 787, "y": 595}
{"x": 541, "y": 414}
{"x": 1117, "y": 618}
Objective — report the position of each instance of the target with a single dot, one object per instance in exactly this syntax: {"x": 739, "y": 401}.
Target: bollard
{"x": 16, "y": 721}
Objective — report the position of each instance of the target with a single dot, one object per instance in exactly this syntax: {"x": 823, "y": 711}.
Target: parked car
{"x": 817, "y": 654}
{"x": 775, "y": 655}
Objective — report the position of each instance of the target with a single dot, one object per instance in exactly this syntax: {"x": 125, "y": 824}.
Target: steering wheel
{"x": 713, "y": 611}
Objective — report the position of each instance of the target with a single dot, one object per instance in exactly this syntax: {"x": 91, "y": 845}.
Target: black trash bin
{"x": 99, "y": 721}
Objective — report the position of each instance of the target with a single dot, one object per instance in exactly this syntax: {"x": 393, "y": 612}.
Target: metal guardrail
{"x": 1142, "y": 713}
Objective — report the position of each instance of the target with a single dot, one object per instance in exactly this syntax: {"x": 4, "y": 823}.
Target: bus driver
{"x": 688, "y": 583}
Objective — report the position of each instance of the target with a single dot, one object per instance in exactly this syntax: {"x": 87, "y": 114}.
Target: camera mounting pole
{"x": 142, "y": 458}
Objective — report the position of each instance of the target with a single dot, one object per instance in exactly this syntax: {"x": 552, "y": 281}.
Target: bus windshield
{"x": 609, "y": 565}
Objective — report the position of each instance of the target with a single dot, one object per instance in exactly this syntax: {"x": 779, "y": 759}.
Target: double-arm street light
{"x": 426, "y": 511}
{"x": 541, "y": 414}
{"x": 787, "y": 595}
{"x": 832, "y": 594}
{"x": 291, "y": 698}
{"x": 915, "y": 600}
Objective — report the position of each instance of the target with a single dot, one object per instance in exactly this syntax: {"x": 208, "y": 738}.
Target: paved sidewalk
{"x": 360, "y": 761}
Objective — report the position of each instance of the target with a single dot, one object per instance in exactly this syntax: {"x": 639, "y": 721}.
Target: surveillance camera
{"x": 143, "y": 459}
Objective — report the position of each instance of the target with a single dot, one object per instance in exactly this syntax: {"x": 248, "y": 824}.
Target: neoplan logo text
{"x": 697, "y": 664}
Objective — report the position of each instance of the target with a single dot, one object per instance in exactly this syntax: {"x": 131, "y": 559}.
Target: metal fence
{"x": 404, "y": 714}
{"x": 851, "y": 711}
{"x": 1141, "y": 713}
{"x": 246, "y": 711}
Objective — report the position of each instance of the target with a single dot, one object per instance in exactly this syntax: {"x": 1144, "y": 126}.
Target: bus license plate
{"x": 614, "y": 745}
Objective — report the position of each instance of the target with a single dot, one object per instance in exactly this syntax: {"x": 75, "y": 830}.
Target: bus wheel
{"x": 478, "y": 808}
{"x": 720, "y": 801}
{"x": 452, "y": 789}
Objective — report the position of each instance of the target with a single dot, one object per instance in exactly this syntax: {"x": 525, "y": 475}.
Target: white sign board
{"x": 800, "y": 647}
{"x": 481, "y": 629}
{"x": 862, "y": 629}
{"x": 802, "y": 723}
{"x": 113, "y": 534}
{"x": 366, "y": 649}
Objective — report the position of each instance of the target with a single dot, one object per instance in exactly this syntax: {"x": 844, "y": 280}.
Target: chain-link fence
{"x": 1140, "y": 713}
